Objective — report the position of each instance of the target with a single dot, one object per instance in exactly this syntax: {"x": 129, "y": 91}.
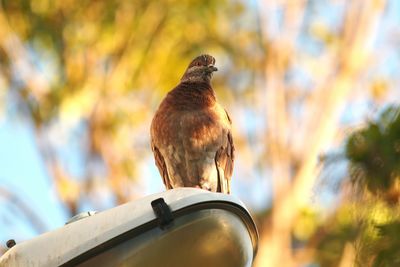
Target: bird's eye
{"x": 198, "y": 64}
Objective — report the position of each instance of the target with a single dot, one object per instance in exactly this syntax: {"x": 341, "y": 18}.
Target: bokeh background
{"x": 312, "y": 88}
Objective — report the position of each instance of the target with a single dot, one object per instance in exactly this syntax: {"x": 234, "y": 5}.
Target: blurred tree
{"x": 363, "y": 229}
{"x": 374, "y": 171}
{"x": 306, "y": 90}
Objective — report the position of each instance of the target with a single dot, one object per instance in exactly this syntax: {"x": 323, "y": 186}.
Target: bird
{"x": 191, "y": 133}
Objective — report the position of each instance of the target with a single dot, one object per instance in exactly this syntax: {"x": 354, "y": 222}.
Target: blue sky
{"x": 23, "y": 173}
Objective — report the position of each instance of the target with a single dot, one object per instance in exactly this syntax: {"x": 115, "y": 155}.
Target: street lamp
{"x": 178, "y": 227}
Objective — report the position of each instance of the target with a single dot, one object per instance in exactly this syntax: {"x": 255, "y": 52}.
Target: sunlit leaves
{"x": 379, "y": 88}
{"x": 354, "y": 225}
{"x": 306, "y": 224}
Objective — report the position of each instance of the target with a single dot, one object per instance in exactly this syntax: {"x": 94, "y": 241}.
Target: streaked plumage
{"x": 191, "y": 133}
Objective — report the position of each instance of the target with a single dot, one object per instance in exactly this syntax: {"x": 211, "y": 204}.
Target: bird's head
{"x": 200, "y": 69}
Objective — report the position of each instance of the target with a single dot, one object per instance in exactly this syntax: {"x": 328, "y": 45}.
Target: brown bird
{"x": 191, "y": 133}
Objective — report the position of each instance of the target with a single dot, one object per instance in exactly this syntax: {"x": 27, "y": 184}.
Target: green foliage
{"x": 388, "y": 247}
{"x": 374, "y": 153}
{"x": 334, "y": 234}
{"x": 367, "y": 229}
{"x": 374, "y": 225}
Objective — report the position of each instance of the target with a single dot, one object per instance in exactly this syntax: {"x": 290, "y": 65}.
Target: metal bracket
{"x": 163, "y": 212}
{"x": 10, "y": 243}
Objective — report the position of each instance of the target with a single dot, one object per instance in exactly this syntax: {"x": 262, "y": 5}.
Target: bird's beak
{"x": 212, "y": 68}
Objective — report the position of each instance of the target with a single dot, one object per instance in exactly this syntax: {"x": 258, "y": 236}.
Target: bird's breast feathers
{"x": 201, "y": 129}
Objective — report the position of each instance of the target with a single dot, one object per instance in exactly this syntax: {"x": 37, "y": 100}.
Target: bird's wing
{"x": 224, "y": 160}
{"x": 161, "y": 166}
